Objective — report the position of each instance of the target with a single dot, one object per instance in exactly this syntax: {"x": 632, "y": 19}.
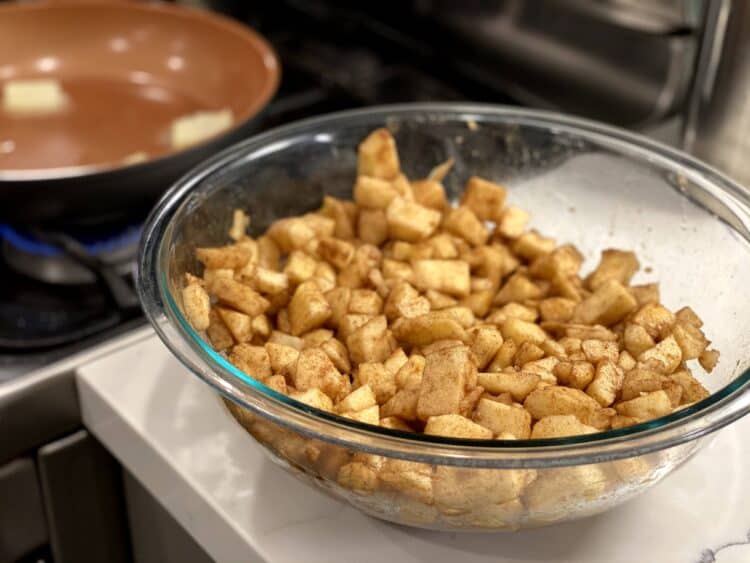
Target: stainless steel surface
{"x": 22, "y": 522}
{"x": 155, "y": 535}
{"x": 619, "y": 61}
{"x": 75, "y": 500}
{"x": 43, "y": 405}
{"x": 43, "y": 409}
{"x": 653, "y": 16}
{"x": 719, "y": 114}
{"x": 83, "y": 499}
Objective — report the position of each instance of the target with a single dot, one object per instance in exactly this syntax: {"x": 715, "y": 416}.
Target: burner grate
{"x": 96, "y": 245}
{"x": 35, "y": 256}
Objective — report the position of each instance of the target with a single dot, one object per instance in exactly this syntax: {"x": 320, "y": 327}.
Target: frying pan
{"x": 128, "y": 70}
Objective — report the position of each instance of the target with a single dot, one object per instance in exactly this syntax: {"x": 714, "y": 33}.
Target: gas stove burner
{"x": 43, "y": 322}
{"x": 36, "y": 315}
{"x": 39, "y": 255}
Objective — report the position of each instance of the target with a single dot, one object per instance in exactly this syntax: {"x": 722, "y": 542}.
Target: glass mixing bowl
{"x": 583, "y": 182}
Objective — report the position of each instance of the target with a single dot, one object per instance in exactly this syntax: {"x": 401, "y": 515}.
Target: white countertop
{"x": 173, "y": 434}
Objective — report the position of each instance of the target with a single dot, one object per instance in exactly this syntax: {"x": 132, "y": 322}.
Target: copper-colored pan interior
{"x": 128, "y": 71}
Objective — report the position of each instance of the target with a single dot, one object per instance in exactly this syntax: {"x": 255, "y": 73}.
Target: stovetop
{"x": 63, "y": 291}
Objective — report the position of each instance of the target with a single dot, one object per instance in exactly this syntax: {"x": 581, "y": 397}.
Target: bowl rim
{"x": 726, "y": 405}
{"x": 252, "y": 111}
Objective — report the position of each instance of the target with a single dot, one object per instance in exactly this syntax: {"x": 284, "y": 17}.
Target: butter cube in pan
{"x": 39, "y": 96}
